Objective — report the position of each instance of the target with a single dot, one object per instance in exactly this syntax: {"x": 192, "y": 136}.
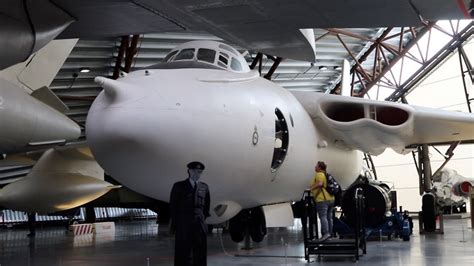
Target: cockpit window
{"x": 228, "y": 48}
{"x": 223, "y": 60}
{"x": 224, "y": 55}
{"x": 206, "y": 55}
{"x": 185, "y": 54}
{"x": 169, "y": 56}
{"x": 235, "y": 65}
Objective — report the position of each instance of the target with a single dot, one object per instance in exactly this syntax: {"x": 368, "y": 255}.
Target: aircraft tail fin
{"x": 45, "y": 95}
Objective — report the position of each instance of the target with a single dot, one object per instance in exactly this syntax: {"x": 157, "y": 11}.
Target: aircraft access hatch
{"x": 281, "y": 140}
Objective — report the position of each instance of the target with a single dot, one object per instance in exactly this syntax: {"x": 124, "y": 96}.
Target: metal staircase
{"x": 332, "y": 247}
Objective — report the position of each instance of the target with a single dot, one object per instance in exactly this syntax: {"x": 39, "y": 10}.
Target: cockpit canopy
{"x": 213, "y": 53}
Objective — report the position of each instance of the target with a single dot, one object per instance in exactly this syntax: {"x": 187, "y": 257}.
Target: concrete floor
{"x": 137, "y": 243}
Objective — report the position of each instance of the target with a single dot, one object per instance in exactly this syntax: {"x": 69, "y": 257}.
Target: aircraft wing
{"x": 372, "y": 126}
{"x": 270, "y": 26}
{"x": 278, "y": 27}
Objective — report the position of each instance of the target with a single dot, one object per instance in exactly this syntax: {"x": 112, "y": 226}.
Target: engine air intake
{"x": 345, "y": 112}
{"x": 349, "y": 112}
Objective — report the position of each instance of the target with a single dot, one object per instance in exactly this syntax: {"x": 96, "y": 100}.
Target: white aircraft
{"x": 259, "y": 142}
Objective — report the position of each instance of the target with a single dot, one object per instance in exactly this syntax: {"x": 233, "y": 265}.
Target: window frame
{"x": 181, "y": 51}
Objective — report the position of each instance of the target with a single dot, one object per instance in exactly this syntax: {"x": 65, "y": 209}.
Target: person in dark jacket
{"x": 189, "y": 206}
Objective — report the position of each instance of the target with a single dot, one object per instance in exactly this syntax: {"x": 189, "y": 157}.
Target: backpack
{"x": 332, "y": 186}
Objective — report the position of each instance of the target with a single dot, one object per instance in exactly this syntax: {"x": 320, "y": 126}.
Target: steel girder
{"x": 395, "y": 45}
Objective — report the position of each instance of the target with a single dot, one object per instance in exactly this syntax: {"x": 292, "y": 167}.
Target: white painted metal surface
{"x": 278, "y": 215}
{"x": 174, "y": 116}
{"x": 60, "y": 180}
{"x": 40, "y": 69}
{"x": 372, "y": 126}
{"x": 30, "y": 121}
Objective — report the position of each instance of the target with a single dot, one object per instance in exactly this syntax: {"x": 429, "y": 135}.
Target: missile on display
{"x": 27, "y": 123}
{"x": 451, "y": 188}
{"x": 462, "y": 189}
{"x": 60, "y": 180}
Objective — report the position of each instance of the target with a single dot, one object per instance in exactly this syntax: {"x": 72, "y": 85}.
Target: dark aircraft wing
{"x": 271, "y": 26}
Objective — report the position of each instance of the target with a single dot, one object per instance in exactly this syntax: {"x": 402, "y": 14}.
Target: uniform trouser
{"x": 32, "y": 222}
{"x": 324, "y": 209}
{"x": 190, "y": 247}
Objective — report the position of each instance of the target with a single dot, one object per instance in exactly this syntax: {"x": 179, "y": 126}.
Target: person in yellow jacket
{"x": 324, "y": 200}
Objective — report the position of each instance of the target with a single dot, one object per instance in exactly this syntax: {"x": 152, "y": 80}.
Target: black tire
{"x": 257, "y": 226}
{"x": 237, "y": 229}
{"x": 406, "y": 238}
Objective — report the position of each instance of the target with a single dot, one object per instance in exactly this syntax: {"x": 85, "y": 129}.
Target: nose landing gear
{"x": 249, "y": 222}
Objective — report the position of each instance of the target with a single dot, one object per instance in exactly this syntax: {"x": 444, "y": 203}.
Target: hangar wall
{"x": 9, "y": 217}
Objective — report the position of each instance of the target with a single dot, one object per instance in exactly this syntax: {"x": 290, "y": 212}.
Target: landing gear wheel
{"x": 257, "y": 225}
{"x": 237, "y": 229}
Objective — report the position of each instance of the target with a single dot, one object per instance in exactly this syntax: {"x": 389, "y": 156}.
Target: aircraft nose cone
{"x": 26, "y": 121}
{"x": 117, "y": 115}
{"x": 120, "y": 111}
{"x": 55, "y": 124}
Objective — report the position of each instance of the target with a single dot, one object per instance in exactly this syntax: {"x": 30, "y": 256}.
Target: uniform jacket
{"x": 189, "y": 206}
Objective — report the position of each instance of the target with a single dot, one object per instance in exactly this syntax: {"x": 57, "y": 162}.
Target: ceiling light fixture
{"x": 84, "y": 70}
{"x": 338, "y": 68}
{"x": 323, "y": 68}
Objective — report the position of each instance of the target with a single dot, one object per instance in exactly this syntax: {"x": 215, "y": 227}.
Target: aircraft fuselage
{"x": 144, "y": 128}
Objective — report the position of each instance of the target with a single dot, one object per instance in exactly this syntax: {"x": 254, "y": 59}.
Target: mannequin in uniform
{"x": 189, "y": 203}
